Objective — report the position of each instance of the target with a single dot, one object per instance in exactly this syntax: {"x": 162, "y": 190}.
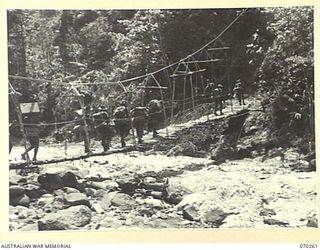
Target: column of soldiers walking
{"x": 138, "y": 119}
{"x": 121, "y": 123}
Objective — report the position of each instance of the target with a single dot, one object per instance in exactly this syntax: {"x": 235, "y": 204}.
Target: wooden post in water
{"x": 173, "y": 93}
{"x": 192, "y": 95}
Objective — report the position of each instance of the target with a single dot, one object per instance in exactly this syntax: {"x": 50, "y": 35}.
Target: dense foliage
{"x": 271, "y": 51}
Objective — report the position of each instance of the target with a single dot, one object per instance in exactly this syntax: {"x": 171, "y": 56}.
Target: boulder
{"x": 76, "y": 216}
{"x": 175, "y": 194}
{"x": 312, "y": 221}
{"x": 267, "y": 212}
{"x": 190, "y": 212}
{"x": 70, "y": 190}
{"x": 23, "y": 200}
{"x": 18, "y": 197}
{"x": 34, "y": 191}
{"x": 105, "y": 203}
{"x": 75, "y": 199}
{"x": 16, "y": 179}
{"x": 271, "y": 221}
{"x": 105, "y": 185}
{"x": 215, "y": 216}
{"x": 54, "y": 181}
{"x": 50, "y": 182}
{"x": 123, "y": 200}
{"x": 313, "y": 165}
{"x": 16, "y": 191}
{"x": 69, "y": 180}
{"x": 158, "y": 204}
{"x": 46, "y": 199}
{"x": 301, "y": 166}
{"x": 89, "y": 191}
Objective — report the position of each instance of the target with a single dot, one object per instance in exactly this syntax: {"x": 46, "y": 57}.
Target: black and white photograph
{"x": 161, "y": 119}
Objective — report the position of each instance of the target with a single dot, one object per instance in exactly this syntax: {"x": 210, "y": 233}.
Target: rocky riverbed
{"x": 139, "y": 190}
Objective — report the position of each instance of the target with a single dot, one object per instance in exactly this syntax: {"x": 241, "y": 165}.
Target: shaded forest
{"x": 270, "y": 50}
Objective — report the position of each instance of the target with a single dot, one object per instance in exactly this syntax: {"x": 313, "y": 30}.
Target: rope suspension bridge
{"x": 190, "y": 69}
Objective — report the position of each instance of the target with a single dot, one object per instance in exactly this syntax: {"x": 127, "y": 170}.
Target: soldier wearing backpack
{"x": 122, "y": 122}
{"x": 101, "y": 121}
{"x": 238, "y": 91}
{"x": 155, "y": 116}
{"x": 217, "y": 97}
{"x": 139, "y": 120}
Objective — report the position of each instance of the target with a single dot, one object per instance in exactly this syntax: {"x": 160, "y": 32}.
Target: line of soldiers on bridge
{"x": 123, "y": 120}
{"x": 121, "y": 123}
{"x": 215, "y": 93}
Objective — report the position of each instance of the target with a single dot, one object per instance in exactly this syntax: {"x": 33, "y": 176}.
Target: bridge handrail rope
{"x": 126, "y": 119}
{"x": 183, "y": 61}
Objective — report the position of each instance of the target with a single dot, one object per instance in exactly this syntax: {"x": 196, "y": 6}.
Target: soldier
{"x": 209, "y": 90}
{"x": 85, "y": 125}
{"x": 139, "y": 120}
{"x": 122, "y": 122}
{"x": 31, "y": 127}
{"x": 101, "y": 121}
{"x": 155, "y": 116}
{"x": 217, "y": 96}
{"x": 238, "y": 91}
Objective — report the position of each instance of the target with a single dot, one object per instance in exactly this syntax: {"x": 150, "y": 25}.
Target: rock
{"x": 34, "y": 191}
{"x": 97, "y": 208}
{"x": 186, "y": 148}
{"x": 190, "y": 199}
{"x": 128, "y": 184}
{"x": 46, "y": 199}
{"x": 190, "y": 212}
{"x": 301, "y": 166}
{"x": 291, "y": 155}
{"x": 313, "y": 165}
{"x": 69, "y": 180}
{"x": 23, "y": 200}
{"x": 16, "y": 191}
{"x": 70, "y": 190}
{"x": 215, "y": 216}
{"x": 54, "y": 181}
{"x": 89, "y": 191}
{"x": 267, "y": 212}
{"x": 50, "y": 182}
{"x": 175, "y": 194}
{"x": 158, "y": 204}
{"x": 312, "y": 221}
{"x": 29, "y": 227}
{"x": 105, "y": 185}
{"x": 76, "y": 216}
{"x": 15, "y": 179}
{"x": 123, "y": 200}
{"x": 270, "y": 221}
{"x": 75, "y": 199}
{"x": 149, "y": 179}
{"x": 105, "y": 203}
{"x": 24, "y": 212}
{"x": 100, "y": 193}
